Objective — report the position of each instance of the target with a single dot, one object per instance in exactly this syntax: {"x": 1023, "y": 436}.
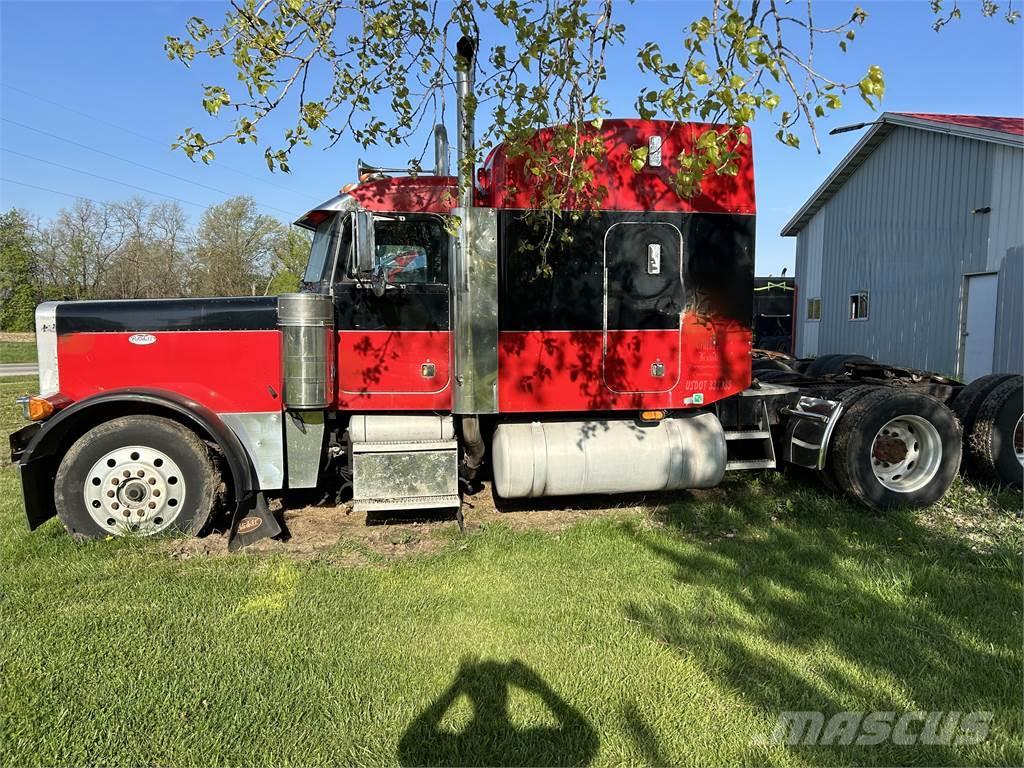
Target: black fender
{"x": 38, "y": 460}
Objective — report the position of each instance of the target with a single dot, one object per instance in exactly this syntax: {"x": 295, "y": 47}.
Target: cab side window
{"x": 412, "y": 250}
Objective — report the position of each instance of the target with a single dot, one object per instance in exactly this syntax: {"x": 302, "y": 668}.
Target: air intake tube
{"x": 306, "y": 321}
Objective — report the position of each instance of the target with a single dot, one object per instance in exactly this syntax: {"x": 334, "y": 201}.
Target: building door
{"x": 643, "y": 304}
{"x": 980, "y": 324}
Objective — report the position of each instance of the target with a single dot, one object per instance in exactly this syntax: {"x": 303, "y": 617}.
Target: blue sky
{"x": 94, "y": 73}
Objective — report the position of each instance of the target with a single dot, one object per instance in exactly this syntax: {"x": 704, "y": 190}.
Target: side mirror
{"x": 365, "y": 243}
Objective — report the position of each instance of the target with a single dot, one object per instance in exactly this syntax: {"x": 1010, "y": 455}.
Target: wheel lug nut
{"x": 116, "y": 481}
{"x": 110, "y": 494}
{"x": 152, "y": 481}
{"x": 127, "y": 473}
{"x": 152, "y": 505}
{"x": 141, "y": 473}
{"x": 115, "y": 505}
{"x": 156, "y": 492}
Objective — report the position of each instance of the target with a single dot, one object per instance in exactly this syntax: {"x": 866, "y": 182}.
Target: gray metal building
{"x": 912, "y": 250}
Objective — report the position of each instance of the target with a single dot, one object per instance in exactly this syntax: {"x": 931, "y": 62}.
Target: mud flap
{"x": 252, "y": 525}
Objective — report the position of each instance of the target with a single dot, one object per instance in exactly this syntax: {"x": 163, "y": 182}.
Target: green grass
{"x": 669, "y": 636}
{"x": 17, "y": 352}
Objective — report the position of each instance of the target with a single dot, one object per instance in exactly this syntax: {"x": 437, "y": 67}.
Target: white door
{"x": 980, "y": 325}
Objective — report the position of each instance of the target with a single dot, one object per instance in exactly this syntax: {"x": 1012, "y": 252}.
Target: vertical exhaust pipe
{"x": 440, "y": 150}
{"x": 474, "y": 279}
{"x": 466, "y": 49}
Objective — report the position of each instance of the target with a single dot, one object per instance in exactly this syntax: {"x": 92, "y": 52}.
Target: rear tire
{"x": 896, "y": 448}
{"x": 830, "y": 365}
{"x": 969, "y": 399}
{"x": 995, "y": 443}
{"x": 136, "y": 475}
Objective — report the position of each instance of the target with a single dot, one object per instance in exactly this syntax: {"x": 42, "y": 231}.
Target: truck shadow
{"x": 490, "y": 737}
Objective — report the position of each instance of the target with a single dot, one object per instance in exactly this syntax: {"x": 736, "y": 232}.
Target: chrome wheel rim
{"x": 906, "y": 454}
{"x": 134, "y": 490}
{"x": 1018, "y": 440}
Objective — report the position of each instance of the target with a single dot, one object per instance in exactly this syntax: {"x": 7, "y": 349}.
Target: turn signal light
{"x": 652, "y": 415}
{"x": 39, "y": 408}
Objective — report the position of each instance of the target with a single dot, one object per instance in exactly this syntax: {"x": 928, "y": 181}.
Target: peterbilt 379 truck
{"x": 607, "y": 351}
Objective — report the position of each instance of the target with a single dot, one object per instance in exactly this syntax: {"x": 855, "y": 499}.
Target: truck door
{"x": 643, "y": 303}
{"x": 394, "y": 349}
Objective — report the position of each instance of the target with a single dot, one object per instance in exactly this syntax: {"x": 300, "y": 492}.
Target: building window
{"x": 814, "y": 309}
{"x": 859, "y": 305}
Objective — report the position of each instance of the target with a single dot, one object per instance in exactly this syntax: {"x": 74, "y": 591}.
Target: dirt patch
{"x": 12, "y": 336}
{"x": 341, "y": 537}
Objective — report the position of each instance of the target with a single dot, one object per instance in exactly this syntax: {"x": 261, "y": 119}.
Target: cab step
{"x": 752, "y": 434}
{"x": 751, "y": 448}
{"x": 751, "y": 464}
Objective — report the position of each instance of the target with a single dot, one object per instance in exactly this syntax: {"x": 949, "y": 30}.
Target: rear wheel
{"x": 968, "y": 401}
{"x": 135, "y": 475}
{"x": 895, "y": 448}
{"x": 995, "y": 443}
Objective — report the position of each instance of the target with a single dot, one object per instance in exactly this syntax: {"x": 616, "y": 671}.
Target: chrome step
{"x": 753, "y": 434}
{"x": 751, "y": 464}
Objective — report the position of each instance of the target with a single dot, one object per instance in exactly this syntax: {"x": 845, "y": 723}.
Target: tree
{"x": 19, "y": 272}
{"x": 375, "y": 69}
{"x": 235, "y": 249}
{"x": 290, "y": 255}
{"x": 78, "y": 249}
{"x": 153, "y": 261}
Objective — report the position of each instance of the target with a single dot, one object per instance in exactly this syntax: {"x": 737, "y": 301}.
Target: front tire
{"x": 136, "y": 475}
{"x": 895, "y": 448}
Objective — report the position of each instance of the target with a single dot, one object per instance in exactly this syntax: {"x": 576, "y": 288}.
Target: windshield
{"x": 321, "y": 255}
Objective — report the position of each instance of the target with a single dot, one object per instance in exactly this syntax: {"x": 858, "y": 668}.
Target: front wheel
{"x": 136, "y": 475}
{"x": 895, "y": 448}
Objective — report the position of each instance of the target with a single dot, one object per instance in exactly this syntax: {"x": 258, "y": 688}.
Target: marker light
{"x": 38, "y": 408}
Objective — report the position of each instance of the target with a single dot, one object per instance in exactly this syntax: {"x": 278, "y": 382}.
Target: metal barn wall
{"x": 901, "y": 228}
{"x": 1006, "y": 256}
{"x": 808, "y": 272}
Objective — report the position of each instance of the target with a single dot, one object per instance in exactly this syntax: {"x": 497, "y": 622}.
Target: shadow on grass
{"x": 828, "y": 608}
{"x": 490, "y": 737}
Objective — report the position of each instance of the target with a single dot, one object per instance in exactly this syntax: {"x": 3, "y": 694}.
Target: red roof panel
{"x": 1014, "y": 125}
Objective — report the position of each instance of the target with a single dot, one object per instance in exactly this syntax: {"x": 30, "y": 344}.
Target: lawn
{"x": 17, "y": 348}
{"x": 672, "y": 633}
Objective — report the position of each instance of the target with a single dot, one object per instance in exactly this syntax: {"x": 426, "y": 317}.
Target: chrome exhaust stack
{"x": 474, "y": 268}
{"x": 440, "y": 150}
{"x": 466, "y": 49}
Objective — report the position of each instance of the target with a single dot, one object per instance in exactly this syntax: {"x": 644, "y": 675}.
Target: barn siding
{"x": 1006, "y": 255}
{"x": 901, "y": 228}
{"x": 808, "y": 264}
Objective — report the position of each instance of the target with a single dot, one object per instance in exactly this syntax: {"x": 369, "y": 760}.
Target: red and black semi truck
{"x": 606, "y": 351}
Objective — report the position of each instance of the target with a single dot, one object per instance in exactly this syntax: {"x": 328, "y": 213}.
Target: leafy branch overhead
{"x": 376, "y": 71}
